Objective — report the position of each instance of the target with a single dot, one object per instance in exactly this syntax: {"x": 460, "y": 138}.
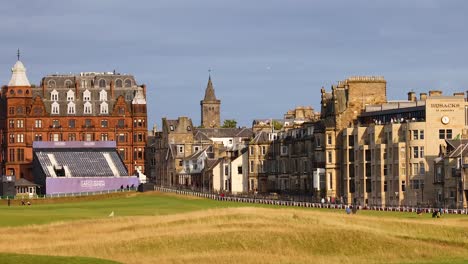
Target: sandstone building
{"x": 200, "y": 158}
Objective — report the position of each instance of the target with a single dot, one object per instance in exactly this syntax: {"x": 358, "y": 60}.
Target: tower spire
{"x": 209, "y": 91}
{"x": 210, "y": 106}
{"x": 18, "y": 54}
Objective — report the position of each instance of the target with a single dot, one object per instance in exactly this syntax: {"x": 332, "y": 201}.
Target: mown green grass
{"x": 135, "y": 204}
{"x": 127, "y": 205}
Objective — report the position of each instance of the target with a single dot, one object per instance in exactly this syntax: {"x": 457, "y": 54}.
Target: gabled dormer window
{"x": 54, "y": 95}
{"x": 102, "y": 95}
{"x": 86, "y": 95}
{"x": 70, "y": 95}
{"x": 55, "y": 109}
{"x": 71, "y": 108}
{"x": 87, "y": 108}
{"x": 104, "y": 108}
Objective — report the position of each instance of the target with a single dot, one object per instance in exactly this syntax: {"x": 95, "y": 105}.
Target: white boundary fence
{"x": 69, "y": 194}
{"x": 218, "y": 197}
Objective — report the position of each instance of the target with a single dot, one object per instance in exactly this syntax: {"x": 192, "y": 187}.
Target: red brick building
{"x": 88, "y": 106}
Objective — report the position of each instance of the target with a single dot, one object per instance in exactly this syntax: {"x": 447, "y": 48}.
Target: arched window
{"x": 118, "y": 83}
{"x": 68, "y": 84}
{"x": 51, "y": 84}
{"x": 70, "y": 95}
{"x": 86, "y": 95}
{"x": 71, "y": 108}
{"x": 102, "y": 95}
{"x": 104, "y": 108}
{"x": 55, "y": 108}
{"x": 102, "y": 83}
{"x": 128, "y": 83}
{"x": 87, "y": 108}
{"x": 54, "y": 95}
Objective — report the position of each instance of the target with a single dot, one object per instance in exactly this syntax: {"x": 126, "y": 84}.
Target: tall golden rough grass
{"x": 247, "y": 235}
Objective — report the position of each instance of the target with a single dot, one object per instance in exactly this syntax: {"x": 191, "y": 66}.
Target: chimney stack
{"x": 423, "y": 96}
{"x": 412, "y": 96}
{"x": 435, "y": 93}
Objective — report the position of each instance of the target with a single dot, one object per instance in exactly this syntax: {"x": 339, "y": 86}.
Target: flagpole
{"x": 462, "y": 173}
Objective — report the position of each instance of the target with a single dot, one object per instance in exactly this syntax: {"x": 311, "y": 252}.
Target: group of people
{"x": 435, "y": 214}
{"x": 127, "y": 188}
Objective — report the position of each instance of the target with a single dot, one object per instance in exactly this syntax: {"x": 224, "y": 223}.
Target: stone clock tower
{"x": 210, "y": 108}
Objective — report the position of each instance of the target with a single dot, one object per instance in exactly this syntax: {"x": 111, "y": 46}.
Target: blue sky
{"x": 266, "y": 56}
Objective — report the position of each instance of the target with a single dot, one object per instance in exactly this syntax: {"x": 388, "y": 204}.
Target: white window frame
{"x": 54, "y": 95}
{"x": 180, "y": 149}
{"x": 104, "y": 108}
{"x": 55, "y": 108}
{"x": 70, "y": 95}
{"x": 86, "y": 95}
{"x": 71, "y": 108}
{"x": 87, "y": 108}
{"x": 103, "y": 95}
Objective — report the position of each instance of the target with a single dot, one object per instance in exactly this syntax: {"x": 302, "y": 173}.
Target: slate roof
{"x": 261, "y": 137}
{"x": 456, "y": 147}
{"x": 24, "y": 183}
{"x": 196, "y": 154}
{"x": 211, "y": 163}
{"x": 223, "y": 132}
{"x": 58, "y": 83}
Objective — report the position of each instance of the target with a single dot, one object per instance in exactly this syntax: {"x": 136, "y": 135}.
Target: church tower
{"x": 210, "y": 108}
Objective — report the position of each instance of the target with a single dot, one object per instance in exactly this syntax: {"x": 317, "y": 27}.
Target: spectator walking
{"x": 348, "y": 210}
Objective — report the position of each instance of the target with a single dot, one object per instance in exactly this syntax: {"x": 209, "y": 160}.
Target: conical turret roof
{"x": 18, "y": 76}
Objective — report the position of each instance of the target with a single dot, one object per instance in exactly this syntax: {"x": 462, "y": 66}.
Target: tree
{"x": 277, "y": 125}
{"x": 229, "y": 123}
